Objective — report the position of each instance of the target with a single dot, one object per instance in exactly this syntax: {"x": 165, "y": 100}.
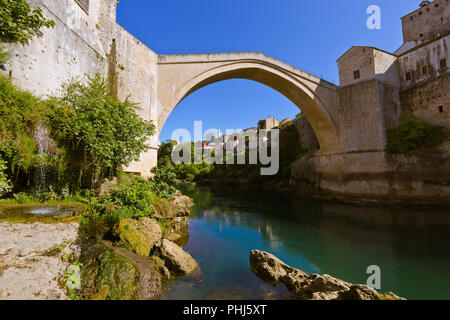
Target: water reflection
{"x": 409, "y": 244}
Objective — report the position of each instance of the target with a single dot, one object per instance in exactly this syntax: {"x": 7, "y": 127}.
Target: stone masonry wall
{"x": 357, "y": 58}
{"x": 427, "y": 22}
{"x": 88, "y": 43}
{"x": 429, "y": 55}
{"x": 360, "y": 118}
{"x": 424, "y": 100}
{"x": 57, "y": 55}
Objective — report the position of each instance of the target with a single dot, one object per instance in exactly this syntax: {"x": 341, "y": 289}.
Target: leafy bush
{"x": 5, "y": 185}
{"x": 128, "y": 201}
{"x": 105, "y": 133}
{"x": 19, "y": 23}
{"x": 164, "y": 182}
{"x": 411, "y": 134}
{"x": 19, "y": 113}
{"x": 22, "y": 198}
{"x": 134, "y": 200}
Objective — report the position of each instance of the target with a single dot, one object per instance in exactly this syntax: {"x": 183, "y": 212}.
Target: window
{"x": 441, "y": 109}
{"x": 424, "y": 70}
{"x": 408, "y": 76}
{"x": 356, "y": 74}
{"x": 443, "y": 63}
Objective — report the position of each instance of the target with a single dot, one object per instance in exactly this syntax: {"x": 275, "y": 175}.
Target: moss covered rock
{"x": 179, "y": 206}
{"x": 139, "y": 236}
{"x": 117, "y": 274}
{"x": 111, "y": 273}
{"x": 106, "y": 274}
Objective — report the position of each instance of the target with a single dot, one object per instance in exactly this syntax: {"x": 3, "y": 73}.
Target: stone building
{"x": 268, "y": 123}
{"x": 376, "y": 87}
{"x": 415, "y": 78}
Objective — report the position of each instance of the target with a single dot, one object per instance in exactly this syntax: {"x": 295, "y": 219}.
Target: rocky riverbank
{"x": 31, "y": 264}
{"x": 304, "y": 286}
{"x": 38, "y": 254}
{"x": 130, "y": 260}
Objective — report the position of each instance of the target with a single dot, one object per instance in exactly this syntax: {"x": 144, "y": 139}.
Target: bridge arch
{"x": 179, "y": 76}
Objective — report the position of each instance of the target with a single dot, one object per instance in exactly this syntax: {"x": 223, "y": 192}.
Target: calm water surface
{"x": 411, "y": 246}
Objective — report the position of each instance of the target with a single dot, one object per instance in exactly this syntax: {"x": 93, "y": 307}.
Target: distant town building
{"x": 268, "y": 124}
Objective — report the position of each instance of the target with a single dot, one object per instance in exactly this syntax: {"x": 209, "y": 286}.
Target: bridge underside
{"x": 181, "y": 75}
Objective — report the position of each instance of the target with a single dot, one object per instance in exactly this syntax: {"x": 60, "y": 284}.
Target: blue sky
{"x": 310, "y": 35}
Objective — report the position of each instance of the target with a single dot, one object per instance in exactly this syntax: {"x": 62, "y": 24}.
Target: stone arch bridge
{"x": 181, "y": 75}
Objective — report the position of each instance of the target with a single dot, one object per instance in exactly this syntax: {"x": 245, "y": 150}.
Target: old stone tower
{"x": 350, "y": 120}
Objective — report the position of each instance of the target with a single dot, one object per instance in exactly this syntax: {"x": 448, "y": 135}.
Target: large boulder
{"x": 176, "y": 259}
{"x": 270, "y": 268}
{"x": 174, "y": 214}
{"x": 310, "y": 286}
{"x": 117, "y": 274}
{"x": 179, "y": 206}
{"x": 139, "y": 236}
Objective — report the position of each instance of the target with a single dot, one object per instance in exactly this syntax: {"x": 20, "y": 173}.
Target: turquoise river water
{"x": 410, "y": 245}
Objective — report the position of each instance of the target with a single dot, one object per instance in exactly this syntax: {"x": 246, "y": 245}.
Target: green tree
{"x": 19, "y": 23}
{"x": 164, "y": 181}
{"x": 104, "y": 132}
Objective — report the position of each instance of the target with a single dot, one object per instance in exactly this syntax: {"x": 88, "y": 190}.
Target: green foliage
{"x": 5, "y": 184}
{"x": 187, "y": 172}
{"x": 72, "y": 280}
{"x": 412, "y": 134}
{"x": 19, "y": 113}
{"x": 19, "y": 23}
{"x": 22, "y": 198}
{"x": 4, "y": 57}
{"x": 96, "y": 135}
{"x": 290, "y": 150}
{"x": 131, "y": 200}
{"x": 164, "y": 182}
{"x": 58, "y": 248}
{"x": 106, "y": 132}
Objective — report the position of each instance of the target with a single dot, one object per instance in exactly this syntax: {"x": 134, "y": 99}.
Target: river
{"x": 410, "y": 245}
